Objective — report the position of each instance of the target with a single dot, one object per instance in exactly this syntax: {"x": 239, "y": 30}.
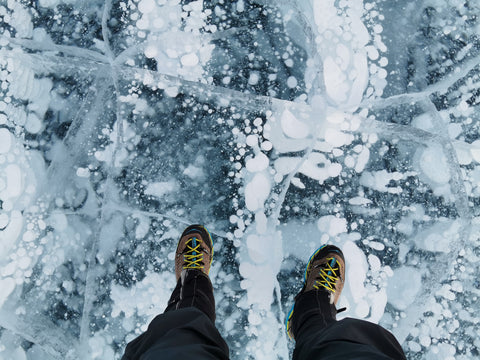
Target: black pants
{"x": 187, "y": 330}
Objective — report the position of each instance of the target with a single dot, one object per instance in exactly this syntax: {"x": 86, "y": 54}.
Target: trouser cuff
{"x": 313, "y": 306}
{"x": 194, "y": 289}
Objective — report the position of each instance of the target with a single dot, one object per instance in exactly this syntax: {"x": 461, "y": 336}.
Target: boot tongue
{"x": 197, "y": 254}
{"x": 194, "y": 244}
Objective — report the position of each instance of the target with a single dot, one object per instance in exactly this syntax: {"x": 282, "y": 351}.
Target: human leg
{"x": 319, "y": 335}
{"x": 187, "y": 327}
{"x": 312, "y": 321}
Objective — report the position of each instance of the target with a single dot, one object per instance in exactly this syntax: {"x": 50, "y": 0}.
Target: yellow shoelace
{"x": 193, "y": 257}
{"x": 328, "y": 276}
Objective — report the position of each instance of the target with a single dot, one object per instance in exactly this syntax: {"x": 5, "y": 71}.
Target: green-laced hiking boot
{"x": 325, "y": 271}
{"x": 194, "y": 250}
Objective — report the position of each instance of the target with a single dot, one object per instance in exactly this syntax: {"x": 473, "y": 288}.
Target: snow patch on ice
{"x": 368, "y": 302}
{"x": 259, "y": 163}
{"x": 434, "y": 166}
{"x": 404, "y": 286}
{"x": 439, "y": 236}
{"x": 293, "y": 127}
{"x": 332, "y": 225}
{"x": 380, "y": 181}
{"x": 345, "y": 64}
{"x": 147, "y": 298}
{"x": 6, "y": 139}
{"x": 162, "y": 188}
{"x": 179, "y": 50}
{"x": 257, "y": 191}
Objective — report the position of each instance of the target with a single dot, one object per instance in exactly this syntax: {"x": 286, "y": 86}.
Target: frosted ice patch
{"x": 403, "y": 287}
{"x": 454, "y": 130}
{"x": 292, "y": 127}
{"x": 4, "y": 220}
{"x": 358, "y": 200}
{"x": 463, "y": 152}
{"x": 336, "y": 117}
{"x": 434, "y": 164}
{"x": 253, "y": 78}
{"x": 357, "y": 267}
{"x": 257, "y": 191}
{"x": 362, "y": 159}
{"x": 261, "y": 222}
{"x": 343, "y": 54}
{"x": 380, "y": 181}
{"x": 132, "y": 300}
{"x": 266, "y": 146}
{"x": 171, "y": 91}
{"x": 335, "y": 81}
{"x": 33, "y": 124}
{"x": 143, "y": 226}
{"x": 258, "y": 250}
{"x": 258, "y": 163}
{"x": 475, "y": 150}
{"x": 358, "y": 28}
{"x": 83, "y": 172}
{"x": 374, "y": 261}
{"x": 5, "y": 140}
{"x": 159, "y": 189}
{"x": 146, "y": 6}
{"x": 259, "y": 280}
{"x": 14, "y": 182}
{"x": 10, "y": 235}
{"x": 189, "y": 59}
{"x": 7, "y": 285}
{"x": 337, "y": 138}
{"x": 20, "y": 20}
{"x": 332, "y": 225}
{"x": 360, "y": 79}
{"x": 318, "y": 167}
{"x": 439, "y": 236}
{"x": 297, "y": 182}
{"x": 151, "y": 51}
{"x": 285, "y": 165}
{"x": 372, "y": 52}
{"x": 325, "y": 14}
{"x": 58, "y": 221}
{"x": 29, "y": 236}
{"x": 194, "y": 172}
{"x": 254, "y": 318}
{"x": 292, "y": 82}
{"x": 252, "y": 140}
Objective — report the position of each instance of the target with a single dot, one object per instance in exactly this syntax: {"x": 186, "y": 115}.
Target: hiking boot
{"x": 194, "y": 250}
{"x": 325, "y": 272}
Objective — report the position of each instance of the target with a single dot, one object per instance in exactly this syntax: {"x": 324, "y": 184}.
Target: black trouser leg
{"x": 320, "y": 336}
{"x": 186, "y": 330}
{"x": 194, "y": 289}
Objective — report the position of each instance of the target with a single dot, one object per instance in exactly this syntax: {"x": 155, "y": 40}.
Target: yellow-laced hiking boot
{"x": 325, "y": 271}
{"x": 194, "y": 250}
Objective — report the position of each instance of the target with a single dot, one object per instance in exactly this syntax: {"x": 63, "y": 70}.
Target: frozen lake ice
{"x": 280, "y": 125}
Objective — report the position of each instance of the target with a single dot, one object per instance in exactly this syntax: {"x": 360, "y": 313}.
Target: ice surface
{"x": 280, "y": 125}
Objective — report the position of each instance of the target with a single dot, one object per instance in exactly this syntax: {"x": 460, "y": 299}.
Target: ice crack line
{"x": 67, "y": 50}
{"x": 224, "y": 96}
{"x": 456, "y": 183}
{"x": 90, "y": 283}
{"x": 40, "y": 331}
{"x": 457, "y": 186}
{"x": 441, "y": 86}
{"x": 114, "y": 74}
{"x": 281, "y": 199}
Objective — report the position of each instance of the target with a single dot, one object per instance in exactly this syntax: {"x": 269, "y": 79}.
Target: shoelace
{"x": 327, "y": 277}
{"x": 193, "y": 256}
